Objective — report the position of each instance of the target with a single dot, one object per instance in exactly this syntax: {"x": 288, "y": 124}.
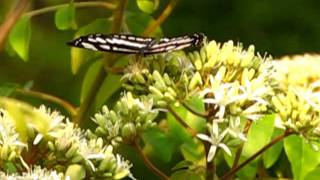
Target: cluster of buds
{"x": 233, "y": 80}
{"x": 298, "y": 103}
{"x": 129, "y": 117}
{"x": 63, "y": 147}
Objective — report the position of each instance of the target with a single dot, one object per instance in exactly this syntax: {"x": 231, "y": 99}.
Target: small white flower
{"x": 235, "y": 129}
{"x": 215, "y": 140}
{"x": 224, "y": 95}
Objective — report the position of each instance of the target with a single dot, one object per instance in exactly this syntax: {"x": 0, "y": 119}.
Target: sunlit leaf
{"x": 19, "y": 37}
{"x": 258, "y": 136}
{"x": 81, "y": 56}
{"x": 23, "y": 114}
{"x": 138, "y": 22}
{"x": 302, "y": 157}
{"x": 313, "y": 175}
{"x": 65, "y": 17}
{"x": 162, "y": 147}
{"x": 148, "y": 6}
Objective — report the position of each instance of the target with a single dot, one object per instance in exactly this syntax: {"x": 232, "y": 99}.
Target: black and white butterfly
{"x": 131, "y": 44}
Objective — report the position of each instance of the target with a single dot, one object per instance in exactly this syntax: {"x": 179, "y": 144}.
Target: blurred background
{"x": 277, "y": 27}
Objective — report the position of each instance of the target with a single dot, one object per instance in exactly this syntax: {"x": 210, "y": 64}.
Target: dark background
{"x": 279, "y": 27}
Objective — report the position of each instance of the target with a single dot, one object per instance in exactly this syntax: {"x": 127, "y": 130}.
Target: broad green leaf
{"x": 81, "y": 56}
{"x": 188, "y": 174}
{"x": 259, "y": 135}
{"x": 313, "y": 175}
{"x": 137, "y": 23}
{"x": 273, "y": 153}
{"x": 302, "y": 157}
{"x": 6, "y": 89}
{"x": 65, "y": 17}
{"x": 23, "y": 114}
{"x": 178, "y": 133}
{"x": 148, "y": 6}
{"x": 110, "y": 85}
{"x": 161, "y": 145}
{"x": 193, "y": 151}
{"x": 19, "y": 37}
{"x": 89, "y": 77}
{"x": 76, "y": 172}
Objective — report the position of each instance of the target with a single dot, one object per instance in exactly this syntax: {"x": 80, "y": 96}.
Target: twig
{"x": 165, "y": 13}
{"x": 67, "y": 106}
{"x": 182, "y": 122}
{"x": 148, "y": 163}
{"x": 274, "y": 141}
{"x": 11, "y": 19}
{"x": 76, "y": 4}
{"x": 204, "y": 115}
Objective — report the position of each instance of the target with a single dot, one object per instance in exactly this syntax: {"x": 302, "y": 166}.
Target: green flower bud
{"x": 172, "y": 91}
{"x": 12, "y": 156}
{"x": 195, "y": 81}
{"x": 129, "y": 131}
{"x": 71, "y": 151}
{"x": 162, "y": 103}
{"x": 77, "y": 159}
{"x": 168, "y": 96}
{"x": 104, "y": 165}
{"x": 139, "y": 78}
{"x": 160, "y": 84}
{"x": 158, "y": 94}
{"x": 51, "y": 146}
{"x": 167, "y": 79}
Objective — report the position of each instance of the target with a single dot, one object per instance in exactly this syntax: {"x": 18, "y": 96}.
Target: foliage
{"x": 219, "y": 111}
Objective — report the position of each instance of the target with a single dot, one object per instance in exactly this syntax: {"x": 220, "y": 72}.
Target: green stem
{"x": 229, "y": 174}
{"x": 182, "y": 122}
{"x": 109, "y": 60}
{"x": 163, "y": 16}
{"x": 67, "y": 106}
{"x": 76, "y": 4}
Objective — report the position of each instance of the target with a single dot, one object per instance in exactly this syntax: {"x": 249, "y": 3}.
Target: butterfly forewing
{"x": 130, "y": 44}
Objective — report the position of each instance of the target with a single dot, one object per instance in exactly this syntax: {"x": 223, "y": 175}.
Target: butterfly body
{"x": 131, "y": 44}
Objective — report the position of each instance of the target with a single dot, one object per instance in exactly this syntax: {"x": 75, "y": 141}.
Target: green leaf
{"x": 137, "y": 23}
{"x": 110, "y": 85}
{"x": 272, "y": 154}
{"x": 81, "y": 56}
{"x": 148, "y": 6}
{"x": 161, "y": 145}
{"x": 302, "y": 157}
{"x": 76, "y": 171}
{"x": 19, "y": 37}
{"x": 6, "y": 89}
{"x": 91, "y": 74}
{"x": 193, "y": 151}
{"x": 188, "y": 174}
{"x": 178, "y": 133}
{"x": 65, "y": 17}
{"x": 258, "y": 136}
{"x": 313, "y": 175}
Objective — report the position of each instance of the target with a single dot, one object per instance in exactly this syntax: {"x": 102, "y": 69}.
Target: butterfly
{"x": 131, "y": 44}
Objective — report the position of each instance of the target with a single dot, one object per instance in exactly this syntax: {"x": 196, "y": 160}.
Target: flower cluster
{"x": 126, "y": 120}
{"x": 64, "y": 148}
{"x": 298, "y": 102}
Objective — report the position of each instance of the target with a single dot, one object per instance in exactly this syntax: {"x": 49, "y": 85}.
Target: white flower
{"x": 223, "y": 95}
{"x": 215, "y": 140}
{"x": 235, "y": 129}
